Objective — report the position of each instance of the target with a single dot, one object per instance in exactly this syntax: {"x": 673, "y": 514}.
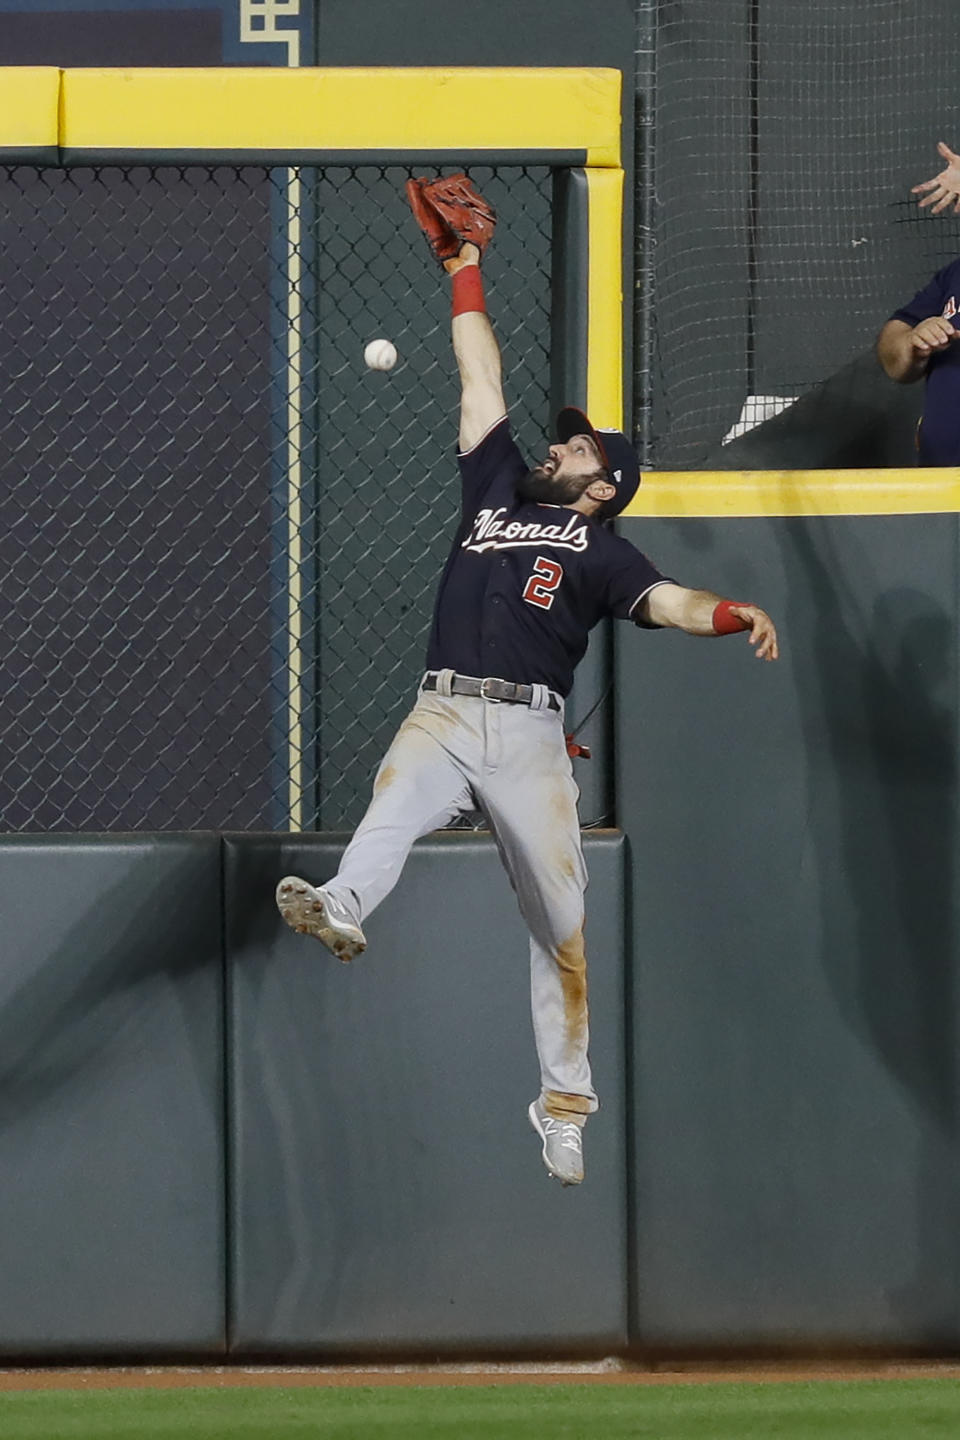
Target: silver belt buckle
{"x": 492, "y": 699}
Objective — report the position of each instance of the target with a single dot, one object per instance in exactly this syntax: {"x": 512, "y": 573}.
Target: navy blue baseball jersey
{"x": 525, "y": 583}
{"x": 939, "y": 437}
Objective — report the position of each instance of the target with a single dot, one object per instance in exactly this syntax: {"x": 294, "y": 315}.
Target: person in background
{"x": 919, "y": 341}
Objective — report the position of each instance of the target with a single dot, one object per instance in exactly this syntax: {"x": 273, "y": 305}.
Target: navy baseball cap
{"x": 619, "y": 456}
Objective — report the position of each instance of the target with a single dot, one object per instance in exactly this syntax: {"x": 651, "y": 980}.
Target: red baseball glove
{"x": 451, "y": 214}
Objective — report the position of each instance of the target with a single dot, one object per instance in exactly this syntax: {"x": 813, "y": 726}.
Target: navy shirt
{"x": 525, "y": 583}
{"x": 939, "y": 437}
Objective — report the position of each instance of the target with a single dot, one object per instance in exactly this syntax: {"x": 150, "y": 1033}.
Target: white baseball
{"x": 380, "y": 355}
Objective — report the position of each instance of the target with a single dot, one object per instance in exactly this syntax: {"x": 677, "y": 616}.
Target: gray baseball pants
{"x": 455, "y": 753}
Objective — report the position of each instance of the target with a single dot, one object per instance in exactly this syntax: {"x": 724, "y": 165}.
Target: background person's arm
{"x": 904, "y": 350}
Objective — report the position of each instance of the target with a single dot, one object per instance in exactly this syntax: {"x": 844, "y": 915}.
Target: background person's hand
{"x": 932, "y": 334}
{"x": 944, "y": 189}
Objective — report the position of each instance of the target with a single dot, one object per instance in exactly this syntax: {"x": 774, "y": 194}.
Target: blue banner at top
{"x": 130, "y": 33}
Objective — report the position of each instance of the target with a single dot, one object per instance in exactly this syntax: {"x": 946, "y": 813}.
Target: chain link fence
{"x": 222, "y": 533}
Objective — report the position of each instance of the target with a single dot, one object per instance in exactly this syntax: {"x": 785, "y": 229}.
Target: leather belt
{"x": 490, "y": 688}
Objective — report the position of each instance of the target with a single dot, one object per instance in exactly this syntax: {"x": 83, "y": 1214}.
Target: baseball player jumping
{"x": 534, "y": 566}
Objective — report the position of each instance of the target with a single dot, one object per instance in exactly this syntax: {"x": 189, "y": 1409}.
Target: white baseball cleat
{"x": 562, "y": 1144}
{"x": 312, "y": 911}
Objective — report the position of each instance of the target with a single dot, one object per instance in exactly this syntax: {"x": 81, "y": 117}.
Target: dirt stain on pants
{"x": 571, "y": 961}
{"x": 566, "y": 1107}
{"x": 385, "y": 778}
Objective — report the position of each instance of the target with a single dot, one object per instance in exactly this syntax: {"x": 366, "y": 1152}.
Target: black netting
{"x": 222, "y": 533}
{"x": 782, "y": 230}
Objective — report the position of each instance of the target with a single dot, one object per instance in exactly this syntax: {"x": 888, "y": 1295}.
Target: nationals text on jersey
{"x": 490, "y": 533}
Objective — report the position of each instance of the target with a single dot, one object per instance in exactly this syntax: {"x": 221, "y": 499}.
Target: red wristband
{"x": 726, "y": 624}
{"x": 468, "y": 290}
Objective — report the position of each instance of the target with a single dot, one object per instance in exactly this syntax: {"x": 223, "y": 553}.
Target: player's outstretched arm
{"x": 904, "y": 350}
{"x": 476, "y": 350}
{"x": 944, "y": 189}
{"x": 699, "y": 612}
{"x": 458, "y": 224}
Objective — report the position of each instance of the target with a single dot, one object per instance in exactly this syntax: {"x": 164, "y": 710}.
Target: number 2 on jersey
{"x": 541, "y": 587}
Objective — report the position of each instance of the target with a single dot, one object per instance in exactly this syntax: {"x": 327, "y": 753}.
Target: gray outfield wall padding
{"x": 111, "y": 1097}
{"x": 389, "y": 1193}
{"x": 795, "y": 1112}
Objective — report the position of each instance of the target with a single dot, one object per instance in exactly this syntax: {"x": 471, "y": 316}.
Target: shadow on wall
{"x": 62, "y": 1012}
{"x": 858, "y": 418}
{"x": 878, "y": 697}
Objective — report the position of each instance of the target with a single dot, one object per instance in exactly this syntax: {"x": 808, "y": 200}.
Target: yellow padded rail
{"x": 346, "y": 109}
{"x": 605, "y": 298}
{"x": 29, "y": 108}
{"x": 743, "y": 493}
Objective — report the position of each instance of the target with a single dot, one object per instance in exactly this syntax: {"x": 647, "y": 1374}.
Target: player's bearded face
{"x": 551, "y": 484}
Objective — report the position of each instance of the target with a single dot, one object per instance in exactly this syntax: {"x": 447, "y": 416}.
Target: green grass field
{"x": 881, "y": 1410}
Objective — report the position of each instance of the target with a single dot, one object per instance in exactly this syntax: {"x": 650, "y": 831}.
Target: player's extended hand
{"x": 452, "y": 215}
{"x": 464, "y": 211}
{"x": 439, "y": 236}
{"x": 763, "y": 632}
{"x": 944, "y": 189}
{"x": 932, "y": 334}
{"x": 469, "y": 255}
